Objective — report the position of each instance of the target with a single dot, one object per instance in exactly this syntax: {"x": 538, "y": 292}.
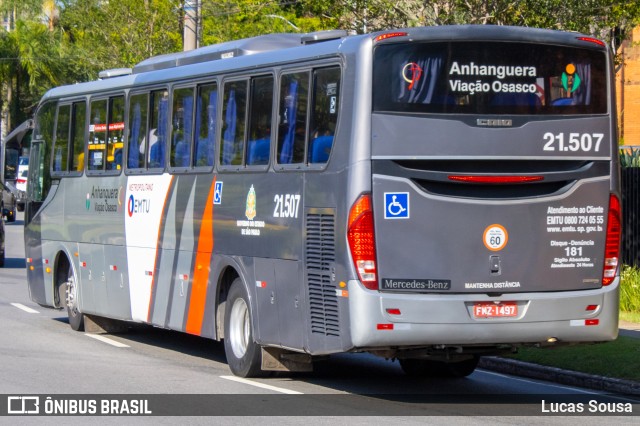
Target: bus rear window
{"x": 489, "y": 78}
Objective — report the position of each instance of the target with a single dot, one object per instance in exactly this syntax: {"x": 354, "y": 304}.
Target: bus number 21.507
{"x": 585, "y": 142}
{"x": 287, "y": 205}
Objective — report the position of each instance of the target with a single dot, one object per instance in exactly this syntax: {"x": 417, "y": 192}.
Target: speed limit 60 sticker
{"x": 495, "y": 237}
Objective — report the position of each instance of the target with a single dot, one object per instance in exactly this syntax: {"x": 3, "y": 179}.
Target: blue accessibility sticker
{"x": 217, "y": 193}
{"x": 396, "y": 205}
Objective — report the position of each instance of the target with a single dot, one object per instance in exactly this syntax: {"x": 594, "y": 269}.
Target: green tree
{"x": 233, "y": 19}
{"x": 121, "y": 33}
{"x": 611, "y": 20}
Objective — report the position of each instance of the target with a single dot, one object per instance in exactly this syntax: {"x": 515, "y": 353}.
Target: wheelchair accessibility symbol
{"x": 396, "y": 205}
{"x": 217, "y": 193}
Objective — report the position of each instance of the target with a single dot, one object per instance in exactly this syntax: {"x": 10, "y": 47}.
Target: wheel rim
{"x": 239, "y": 328}
{"x": 72, "y": 296}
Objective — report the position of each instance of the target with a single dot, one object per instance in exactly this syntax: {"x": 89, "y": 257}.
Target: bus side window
{"x": 182, "y": 120}
{"x": 41, "y": 149}
{"x": 157, "y": 135}
{"x": 261, "y": 107}
{"x": 294, "y": 89}
{"x": 233, "y": 128}
{"x": 97, "y": 144}
{"x": 61, "y": 144}
{"x": 324, "y": 115}
{"x": 205, "y": 134}
{"x": 78, "y": 126}
{"x": 138, "y": 105}
{"x": 115, "y": 133}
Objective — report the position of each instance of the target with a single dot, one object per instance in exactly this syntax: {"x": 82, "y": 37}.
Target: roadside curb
{"x": 558, "y": 375}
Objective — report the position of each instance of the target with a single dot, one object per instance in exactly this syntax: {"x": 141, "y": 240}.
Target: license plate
{"x": 493, "y": 310}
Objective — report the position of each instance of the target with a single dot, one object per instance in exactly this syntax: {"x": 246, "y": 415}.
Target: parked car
{"x": 23, "y": 164}
{"x": 21, "y": 181}
{"x": 21, "y": 196}
{"x": 9, "y": 202}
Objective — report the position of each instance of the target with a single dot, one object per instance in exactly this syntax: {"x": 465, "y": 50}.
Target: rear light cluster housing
{"x": 362, "y": 241}
{"x": 612, "y": 244}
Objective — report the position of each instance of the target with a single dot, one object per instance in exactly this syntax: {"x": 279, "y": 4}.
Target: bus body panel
{"x": 447, "y": 319}
{"x": 432, "y": 137}
{"x": 448, "y": 251}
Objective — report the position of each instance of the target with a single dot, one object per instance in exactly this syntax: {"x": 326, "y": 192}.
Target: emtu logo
{"x": 138, "y": 206}
{"x": 130, "y": 205}
{"x": 570, "y": 79}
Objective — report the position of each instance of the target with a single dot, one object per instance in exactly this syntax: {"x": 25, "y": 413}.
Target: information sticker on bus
{"x": 493, "y": 310}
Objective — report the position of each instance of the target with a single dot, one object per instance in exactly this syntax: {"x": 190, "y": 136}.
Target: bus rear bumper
{"x": 381, "y": 320}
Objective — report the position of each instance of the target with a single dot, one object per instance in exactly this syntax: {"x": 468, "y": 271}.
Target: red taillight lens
{"x": 362, "y": 241}
{"x": 495, "y": 179}
{"x": 390, "y": 35}
{"x": 592, "y": 40}
{"x": 612, "y": 245}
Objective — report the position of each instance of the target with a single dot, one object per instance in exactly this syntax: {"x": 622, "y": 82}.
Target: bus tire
{"x": 76, "y": 318}
{"x": 431, "y": 368}
{"x": 244, "y": 355}
{"x": 462, "y": 368}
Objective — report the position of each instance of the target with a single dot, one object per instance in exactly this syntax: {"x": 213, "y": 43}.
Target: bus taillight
{"x": 386, "y": 36}
{"x": 612, "y": 246}
{"x": 362, "y": 242}
{"x": 592, "y": 40}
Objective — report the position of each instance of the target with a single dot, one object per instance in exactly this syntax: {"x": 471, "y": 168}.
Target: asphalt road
{"x": 185, "y": 375}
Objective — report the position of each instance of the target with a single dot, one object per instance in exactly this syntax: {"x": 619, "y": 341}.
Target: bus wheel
{"x": 243, "y": 354}
{"x": 430, "y": 368}
{"x": 76, "y": 319}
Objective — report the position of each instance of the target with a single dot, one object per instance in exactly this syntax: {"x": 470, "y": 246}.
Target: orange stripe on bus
{"x": 201, "y": 271}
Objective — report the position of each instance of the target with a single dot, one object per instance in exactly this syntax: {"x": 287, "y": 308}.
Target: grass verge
{"x": 630, "y": 289}
{"x": 618, "y": 359}
{"x": 630, "y": 316}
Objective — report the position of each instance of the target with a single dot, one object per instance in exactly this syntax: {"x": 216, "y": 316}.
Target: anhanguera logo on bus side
{"x": 104, "y": 200}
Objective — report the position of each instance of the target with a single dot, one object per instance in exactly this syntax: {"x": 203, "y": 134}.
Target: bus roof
{"x": 285, "y": 47}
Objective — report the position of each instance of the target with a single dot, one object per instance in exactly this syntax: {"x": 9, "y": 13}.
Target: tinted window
{"x": 61, "y": 144}
{"x": 40, "y": 180}
{"x": 136, "y": 153}
{"x": 234, "y": 116}
{"x": 182, "y": 128}
{"x": 489, "y": 77}
{"x": 157, "y": 136}
{"x": 78, "y": 126}
{"x": 259, "y": 137}
{"x": 294, "y": 93}
{"x": 205, "y": 132}
{"x": 97, "y": 145}
{"x": 115, "y": 133}
{"x": 324, "y": 114}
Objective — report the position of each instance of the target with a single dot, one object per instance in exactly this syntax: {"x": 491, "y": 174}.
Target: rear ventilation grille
{"x": 320, "y": 253}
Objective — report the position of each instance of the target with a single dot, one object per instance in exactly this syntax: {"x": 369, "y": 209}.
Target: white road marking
{"x": 261, "y": 385}
{"x": 25, "y": 308}
{"x": 106, "y": 340}
{"x": 540, "y": 382}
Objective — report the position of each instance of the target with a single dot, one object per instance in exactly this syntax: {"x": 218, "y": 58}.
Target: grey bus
{"x": 428, "y": 195}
